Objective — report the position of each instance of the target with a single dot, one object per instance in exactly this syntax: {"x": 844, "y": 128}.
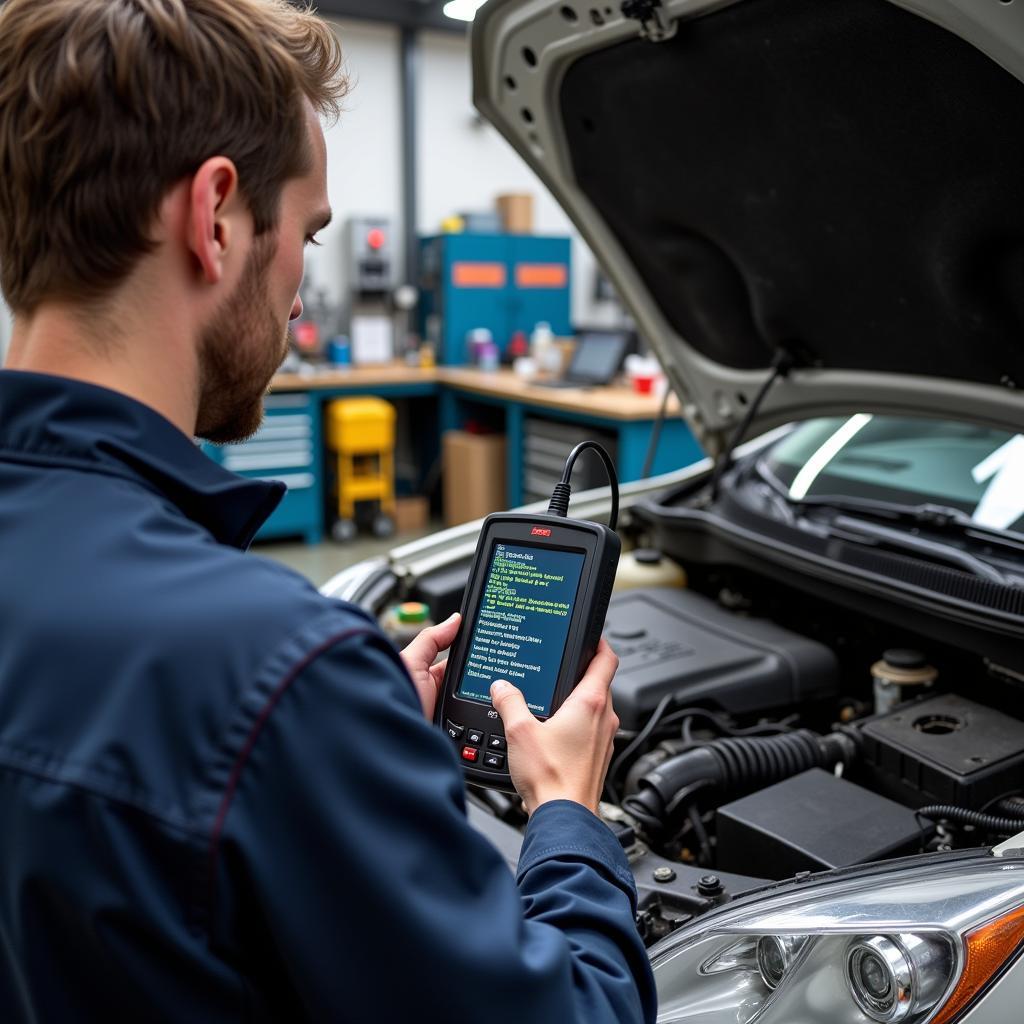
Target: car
{"x": 814, "y": 212}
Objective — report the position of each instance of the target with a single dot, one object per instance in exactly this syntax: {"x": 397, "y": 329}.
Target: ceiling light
{"x": 463, "y": 10}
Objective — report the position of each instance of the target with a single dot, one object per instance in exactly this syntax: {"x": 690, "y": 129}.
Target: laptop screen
{"x": 597, "y": 357}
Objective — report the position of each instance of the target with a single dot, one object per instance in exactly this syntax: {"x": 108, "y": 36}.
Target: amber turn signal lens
{"x": 988, "y": 948}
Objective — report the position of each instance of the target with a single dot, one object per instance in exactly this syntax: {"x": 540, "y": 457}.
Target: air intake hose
{"x": 730, "y": 768}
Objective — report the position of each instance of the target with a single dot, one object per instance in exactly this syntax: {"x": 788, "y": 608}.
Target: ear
{"x": 214, "y": 208}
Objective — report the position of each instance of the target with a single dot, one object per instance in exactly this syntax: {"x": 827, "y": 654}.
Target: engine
{"x": 751, "y": 747}
{"x": 766, "y": 732}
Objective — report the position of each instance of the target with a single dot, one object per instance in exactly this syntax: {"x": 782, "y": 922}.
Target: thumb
{"x": 509, "y": 703}
{"x": 597, "y": 680}
{"x": 444, "y": 632}
{"x": 430, "y": 642}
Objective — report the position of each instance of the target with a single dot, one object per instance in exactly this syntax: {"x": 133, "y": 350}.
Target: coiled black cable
{"x": 964, "y": 816}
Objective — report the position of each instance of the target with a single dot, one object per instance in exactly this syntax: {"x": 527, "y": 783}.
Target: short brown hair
{"x": 106, "y": 104}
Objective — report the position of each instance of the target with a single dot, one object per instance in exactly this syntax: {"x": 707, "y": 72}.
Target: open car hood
{"x": 839, "y": 181}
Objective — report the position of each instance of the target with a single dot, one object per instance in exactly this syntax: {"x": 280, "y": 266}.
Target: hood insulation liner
{"x": 846, "y": 179}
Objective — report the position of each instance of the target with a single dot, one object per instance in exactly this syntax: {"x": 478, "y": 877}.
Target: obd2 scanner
{"x": 533, "y": 614}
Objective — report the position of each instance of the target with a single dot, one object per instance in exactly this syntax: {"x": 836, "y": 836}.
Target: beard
{"x": 240, "y": 350}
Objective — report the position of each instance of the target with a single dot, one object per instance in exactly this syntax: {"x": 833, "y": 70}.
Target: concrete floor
{"x": 319, "y": 562}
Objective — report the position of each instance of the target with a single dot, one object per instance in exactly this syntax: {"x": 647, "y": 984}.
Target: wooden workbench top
{"x": 614, "y": 402}
{"x": 354, "y": 377}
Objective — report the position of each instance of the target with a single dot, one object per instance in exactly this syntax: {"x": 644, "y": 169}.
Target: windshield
{"x": 907, "y": 462}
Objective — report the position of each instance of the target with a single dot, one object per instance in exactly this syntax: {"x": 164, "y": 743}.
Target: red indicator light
{"x": 375, "y": 238}
{"x": 540, "y": 531}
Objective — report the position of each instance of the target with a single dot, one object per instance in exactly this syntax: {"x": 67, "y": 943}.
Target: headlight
{"x": 893, "y": 945}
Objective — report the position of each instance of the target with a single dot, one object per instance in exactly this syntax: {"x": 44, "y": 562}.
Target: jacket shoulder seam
{"x": 112, "y": 789}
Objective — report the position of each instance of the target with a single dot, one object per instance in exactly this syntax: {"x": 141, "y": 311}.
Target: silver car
{"x": 815, "y": 212}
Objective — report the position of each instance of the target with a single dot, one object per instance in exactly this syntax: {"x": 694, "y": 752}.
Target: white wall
{"x": 463, "y": 163}
{"x": 364, "y": 154}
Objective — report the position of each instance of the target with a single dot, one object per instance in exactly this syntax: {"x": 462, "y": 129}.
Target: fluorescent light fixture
{"x": 826, "y": 453}
{"x": 463, "y": 10}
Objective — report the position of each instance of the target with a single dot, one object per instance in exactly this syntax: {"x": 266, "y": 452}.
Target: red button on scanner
{"x": 470, "y": 753}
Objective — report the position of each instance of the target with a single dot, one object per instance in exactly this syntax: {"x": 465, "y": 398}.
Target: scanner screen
{"x": 523, "y": 622}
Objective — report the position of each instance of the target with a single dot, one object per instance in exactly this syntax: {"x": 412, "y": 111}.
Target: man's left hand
{"x": 419, "y": 658}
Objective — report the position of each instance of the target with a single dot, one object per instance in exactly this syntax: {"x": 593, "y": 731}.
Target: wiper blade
{"x": 934, "y": 550}
{"x": 942, "y": 518}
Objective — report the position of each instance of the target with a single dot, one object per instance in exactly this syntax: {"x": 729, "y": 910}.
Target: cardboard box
{"x": 411, "y": 514}
{"x": 474, "y": 475}
{"x": 516, "y": 211}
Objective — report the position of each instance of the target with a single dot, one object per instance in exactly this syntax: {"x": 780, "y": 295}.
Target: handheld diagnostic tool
{"x": 533, "y": 613}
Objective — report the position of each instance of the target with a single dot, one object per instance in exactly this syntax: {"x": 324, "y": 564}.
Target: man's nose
{"x": 296, "y": 309}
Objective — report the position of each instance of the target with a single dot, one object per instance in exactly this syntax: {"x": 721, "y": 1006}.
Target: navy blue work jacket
{"x": 219, "y": 798}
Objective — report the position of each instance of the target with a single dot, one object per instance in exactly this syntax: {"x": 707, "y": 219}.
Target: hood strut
{"x": 782, "y": 362}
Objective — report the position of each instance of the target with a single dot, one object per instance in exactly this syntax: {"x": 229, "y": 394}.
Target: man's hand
{"x": 419, "y": 658}
{"x": 566, "y": 757}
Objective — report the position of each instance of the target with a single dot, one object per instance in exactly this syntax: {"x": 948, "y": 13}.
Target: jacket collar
{"x": 61, "y": 421}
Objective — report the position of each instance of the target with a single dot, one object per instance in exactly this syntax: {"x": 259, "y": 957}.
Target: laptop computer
{"x": 596, "y": 360}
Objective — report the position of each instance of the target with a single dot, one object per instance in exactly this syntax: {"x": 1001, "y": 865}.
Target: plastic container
{"x": 404, "y": 622}
{"x": 476, "y": 340}
{"x": 339, "y": 352}
{"x": 543, "y": 349}
{"x": 900, "y": 675}
{"x": 643, "y": 374}
{"x": 525, "y": 368}
{"x": 518, "y": 346}
{"x": 490, "y": 358}
{"x": 646, "y": 567}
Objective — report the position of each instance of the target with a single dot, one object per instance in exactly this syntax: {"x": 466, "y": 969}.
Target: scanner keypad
{"x": 470, "y": 741}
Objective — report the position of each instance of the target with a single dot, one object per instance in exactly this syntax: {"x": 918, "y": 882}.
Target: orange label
{"x": 478, "y": 275}
{"x": 541, "y": 275}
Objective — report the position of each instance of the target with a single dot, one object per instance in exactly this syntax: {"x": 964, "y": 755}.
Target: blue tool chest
{"x": 505, "y": 283}
{"x": 288, "y": 448}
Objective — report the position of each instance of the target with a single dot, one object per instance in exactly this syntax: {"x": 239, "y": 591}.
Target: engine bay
{"x": 766, "y": 733}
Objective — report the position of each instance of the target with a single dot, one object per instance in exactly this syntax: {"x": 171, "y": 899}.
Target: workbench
{"x": 615, "y": 408}
{"x": 457, "y": 395}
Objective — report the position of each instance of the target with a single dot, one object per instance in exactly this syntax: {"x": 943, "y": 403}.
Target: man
{"x": 220, "y": 794}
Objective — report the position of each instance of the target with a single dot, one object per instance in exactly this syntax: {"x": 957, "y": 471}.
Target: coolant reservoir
{"x": 646, "y": 567}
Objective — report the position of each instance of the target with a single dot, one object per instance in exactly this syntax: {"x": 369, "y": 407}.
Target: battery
{"x": 812, "y": 822}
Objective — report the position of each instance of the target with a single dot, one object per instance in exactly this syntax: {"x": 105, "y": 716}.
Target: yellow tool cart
{"x": 361, "y": 436}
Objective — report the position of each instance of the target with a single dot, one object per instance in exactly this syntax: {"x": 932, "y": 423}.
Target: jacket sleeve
{"x": 348, "y": 830}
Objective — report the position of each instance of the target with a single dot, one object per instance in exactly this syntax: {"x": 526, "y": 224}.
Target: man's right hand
{"x": 566, "y": 757}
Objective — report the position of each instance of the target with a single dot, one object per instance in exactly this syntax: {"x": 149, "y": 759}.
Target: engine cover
{"x": 672, "y": 641}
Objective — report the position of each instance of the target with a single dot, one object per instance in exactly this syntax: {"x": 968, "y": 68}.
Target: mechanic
{"x": 221, "y": 796}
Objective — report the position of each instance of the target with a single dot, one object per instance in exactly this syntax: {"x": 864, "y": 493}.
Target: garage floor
{"x": 319, "y": 562}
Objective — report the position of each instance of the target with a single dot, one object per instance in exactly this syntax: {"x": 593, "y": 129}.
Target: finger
{"x": 599, "y": 674}
{"x": 510, "y": 704}
{"x": 437, "y": 671}
{"x": 444, "y": 633}
{"x": 424, "y": 649}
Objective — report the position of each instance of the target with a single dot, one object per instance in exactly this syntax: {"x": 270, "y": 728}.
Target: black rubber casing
{"x": 601, "y": 547}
